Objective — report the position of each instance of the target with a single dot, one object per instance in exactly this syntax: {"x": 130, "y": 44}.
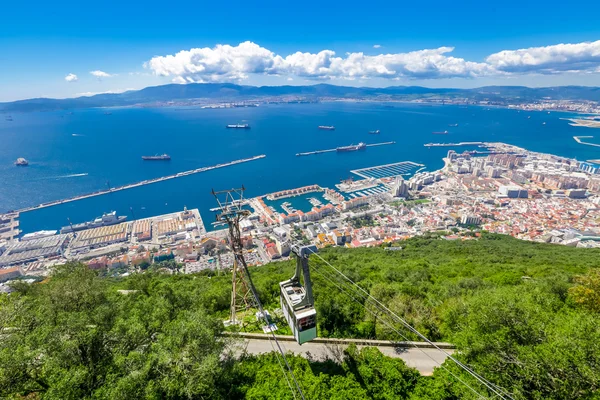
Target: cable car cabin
{"x": 297, "y": 299}
{"x": 302, "y": 319}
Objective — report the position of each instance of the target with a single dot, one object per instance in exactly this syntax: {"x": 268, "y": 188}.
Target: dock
{"x": 137, "y": 184}
{"x": 308, "y": 153}
{"x": 454, "y": 144}
{"x": 578, "y": 140}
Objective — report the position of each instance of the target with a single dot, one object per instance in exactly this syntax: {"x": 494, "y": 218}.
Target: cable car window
{"x": 307, "y": 323}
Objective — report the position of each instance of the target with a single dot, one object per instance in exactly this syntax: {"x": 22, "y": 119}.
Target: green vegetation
{"x": 524, "y": 315}
{"x": 362, "y": 221}
{"x": 409, "y": 202}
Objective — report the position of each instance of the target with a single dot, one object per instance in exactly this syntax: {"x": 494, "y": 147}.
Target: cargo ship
{"x": 21, "y": 162}
{"x": 327, "y": 127}
{"x": 374, "y": 132}
{"x": 352, "y": 147}
{"x": 440, "y": 133}
{"x": 105, "y": 220}
{"x": 238, "y": 126}
{"x": 161, "y": 157}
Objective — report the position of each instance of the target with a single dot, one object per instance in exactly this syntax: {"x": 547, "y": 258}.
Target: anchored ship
{"x": 21, "y": 162}
{"x": 374, "y": 132}
{"x": 162, "y": 157}
{"x": 238, "y": 126}
{"x": 105, "y": 220}
{"x": 352, "y": 147}
{"x": 327, "y": 127}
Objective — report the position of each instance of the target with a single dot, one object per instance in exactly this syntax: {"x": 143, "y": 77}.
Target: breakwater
{"x": 141, "y": 183}
{"x": 308, "y": 153}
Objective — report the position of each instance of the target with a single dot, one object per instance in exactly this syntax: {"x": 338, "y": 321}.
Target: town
{"x": 495, "y": 187}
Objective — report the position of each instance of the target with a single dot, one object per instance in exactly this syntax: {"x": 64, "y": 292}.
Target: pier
{"x": 454, "y": 144}
{"x": 142, "y": 183}
{"x": 578, "y": 140}
{"x": 308, "y": 153}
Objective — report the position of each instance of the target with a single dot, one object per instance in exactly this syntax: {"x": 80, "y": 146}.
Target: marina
{"x": 359, "y": 146}
{"x": 387, "y": 170}
{"x": 142, "y": 183}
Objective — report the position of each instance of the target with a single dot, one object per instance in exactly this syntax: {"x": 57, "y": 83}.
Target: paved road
{"x": 424, "y": 360}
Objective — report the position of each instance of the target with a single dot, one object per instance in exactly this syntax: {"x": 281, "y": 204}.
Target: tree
{"x": 587, "y": 291}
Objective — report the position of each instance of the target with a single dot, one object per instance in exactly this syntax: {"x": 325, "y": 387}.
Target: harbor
{"x": 141, "y": 183}
{"x": 337, "y": 149}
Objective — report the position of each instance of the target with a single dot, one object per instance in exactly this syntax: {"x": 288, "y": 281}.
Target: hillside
{"x": 524, "y": 315}
{"x": 233, "y": 92}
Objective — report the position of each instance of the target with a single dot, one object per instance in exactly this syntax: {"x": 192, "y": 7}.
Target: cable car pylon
{"x": 296, "y": 297}
{"x": 231, "y": 213}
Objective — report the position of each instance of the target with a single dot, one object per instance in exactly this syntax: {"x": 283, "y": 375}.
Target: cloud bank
{"x": 71, "y": 78}
{"x": 578, "y": 57}
{"x": 224, "y": 63}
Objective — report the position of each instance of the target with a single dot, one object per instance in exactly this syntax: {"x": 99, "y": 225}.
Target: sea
{"x": 81, "y": 151}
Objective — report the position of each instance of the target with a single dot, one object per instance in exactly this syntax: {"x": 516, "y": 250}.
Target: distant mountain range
{"x": 232, "y": 92}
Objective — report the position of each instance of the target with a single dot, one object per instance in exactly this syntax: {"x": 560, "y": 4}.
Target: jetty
{"x": 141, "y": 183}
{"x": 578, "y": 140}
{"x": 454, "y": 144}
{"x": 308, "y": 153}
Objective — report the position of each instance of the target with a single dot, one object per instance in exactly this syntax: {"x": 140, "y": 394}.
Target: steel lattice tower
{"x": 231, "y": 213}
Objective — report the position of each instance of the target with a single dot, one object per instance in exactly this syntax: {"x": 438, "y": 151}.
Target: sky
{"x": 69, "y": 49}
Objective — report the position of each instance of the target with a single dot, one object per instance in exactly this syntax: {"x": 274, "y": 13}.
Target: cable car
{"x": 297, "y": 300}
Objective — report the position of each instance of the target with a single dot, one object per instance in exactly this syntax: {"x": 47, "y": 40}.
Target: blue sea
{"x": 87, "y": 150}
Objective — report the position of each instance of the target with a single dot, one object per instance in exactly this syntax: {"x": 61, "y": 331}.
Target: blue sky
{"x": 434, "y": 43}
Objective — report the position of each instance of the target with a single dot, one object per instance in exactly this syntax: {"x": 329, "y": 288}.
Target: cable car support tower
{"x": 243, "y": 295}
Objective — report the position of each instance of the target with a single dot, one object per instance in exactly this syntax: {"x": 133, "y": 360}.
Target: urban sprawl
{"x": 498, "y": 188}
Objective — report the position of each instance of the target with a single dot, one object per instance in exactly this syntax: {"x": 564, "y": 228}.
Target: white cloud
{"x": 224, "y": 63}
{"x": 71, "y": 78}
{"x": 233, "y": 63}
{"x": 221, "y": 63}
{"x": 376, "y": 46}
{"x": 577, "y": 57}
{"x": 290, "y": 79}
{"x": 100, "y": 74}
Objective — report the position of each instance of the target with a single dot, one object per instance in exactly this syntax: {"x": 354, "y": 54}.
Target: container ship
{"x": 327, "y": 127}
{"x": 105, "y": 220}
{"x": 352, "y": 147}
{"x": 162, "y": 157}
{"x": 440, "y": 133}
{"x": 238, "y": 126}
{"x": 21, "y": 162}
{"x": 377, "y": 132}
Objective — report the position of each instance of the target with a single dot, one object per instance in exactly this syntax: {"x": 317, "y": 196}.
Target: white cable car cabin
{"x": 297, "y": 300}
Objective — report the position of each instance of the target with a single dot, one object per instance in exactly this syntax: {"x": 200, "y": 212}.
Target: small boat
{"x": 21, "y": 162}
{"x": 440, "y": 132}
{"x": 377, "y": 132}
{"x": 237, "y": 126}
{"x": 453, "y": 125}
{"x": 327, "y": 127}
